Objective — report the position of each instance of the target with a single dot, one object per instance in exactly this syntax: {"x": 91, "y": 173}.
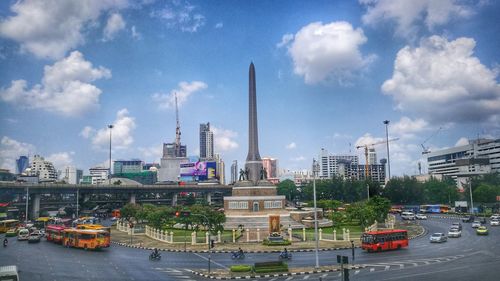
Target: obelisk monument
{"x": 253, "y": 163}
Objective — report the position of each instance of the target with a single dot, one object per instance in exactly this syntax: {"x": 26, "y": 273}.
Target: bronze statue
{"x": 242, "y": 175}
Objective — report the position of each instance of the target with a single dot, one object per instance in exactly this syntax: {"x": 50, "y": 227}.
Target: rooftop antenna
{"x": 177, "y": 129}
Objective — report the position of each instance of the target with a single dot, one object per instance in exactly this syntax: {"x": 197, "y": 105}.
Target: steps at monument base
{"x": 261, "y": 222}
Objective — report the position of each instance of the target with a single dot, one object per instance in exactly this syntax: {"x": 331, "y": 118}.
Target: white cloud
{"x": 61, "y": 159}
{"x": 114, "y": 25}
{"x": 285, "y": 40}
{"x": 10, "y": 150}
{"x": 151, "y": 153}
{"x": 367, "y": 139}
{"x": 183, "y": 92}
{"x": 407, "y": 127}
{"x": 462, "y": 141}
{"x": 224, "y": 139}
{"x": 410, "y": 14}
{"x": 181, "y": 15}
{"x": 442, "y": 81}
{"x": 298, "y": 159}
{"x": 49, "y": 28}
{"x": 321, "y": 51}
{"x": 65, "y": 87}
{"x": 291, "y": 145}
{"x": 136, "y": 35}
{"x": 121, "y": 134}
{"x": 219, "y": 25}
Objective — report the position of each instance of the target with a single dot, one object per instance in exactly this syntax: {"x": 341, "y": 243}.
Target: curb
{"x": 272, "y": 275}
{"x": 228, "y": 251}
{"x": 424, "y": 232}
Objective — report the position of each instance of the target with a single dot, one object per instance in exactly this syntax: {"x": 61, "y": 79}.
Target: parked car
{"x": 457, "y": 224}
{"x": 476, "y": 224}
{"x": 408, "y": 216}
{"x": 495, "y": 216}
{"x": 23, "y": 234}
{"x": 438, "y": 238}
{"x": 454, "y": 232}
{"x": 495, "y": 222}
{"x": 420, "y": 217}
{"x": 482, "y": 230}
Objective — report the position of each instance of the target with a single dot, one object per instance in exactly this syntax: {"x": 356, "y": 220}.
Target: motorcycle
{"x": 238, "y": 256}
{"x": 154, "y": 256}
{"x": 285, "y": 256}
{"x": 5, "y": 242}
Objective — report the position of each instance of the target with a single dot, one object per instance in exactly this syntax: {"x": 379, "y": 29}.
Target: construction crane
{"x": 367, "y": 171}
{"x": 425, "y": 150}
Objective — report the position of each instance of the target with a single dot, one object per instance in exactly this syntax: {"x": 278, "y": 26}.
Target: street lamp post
{"x": 315, "y": 166}
{"x": 470, "y": 192}
{"x": 109, "y": 173}
{"x": 27, "y": 204}
{"x": 386, "y": 122}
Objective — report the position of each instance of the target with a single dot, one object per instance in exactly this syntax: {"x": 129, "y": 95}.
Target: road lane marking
{"x": 372, "y": 269}
{"x": 323, "y": 276}
{"x": 306, "y": 277}
{"x": 289, "y": 278}
{"x": 387, "y": 267}
{"x": 356, "y": 272}
{"x": 211, "y": 261}
{"x": 273, "y": 279}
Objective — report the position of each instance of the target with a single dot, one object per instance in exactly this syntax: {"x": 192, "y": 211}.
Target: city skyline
{"x": 328, "y": 74}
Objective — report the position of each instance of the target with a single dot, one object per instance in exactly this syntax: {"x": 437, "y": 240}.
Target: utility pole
{"x": 315, "y": 166}
{"x": 110, "y": 127}
{"x": 386, "y": 122}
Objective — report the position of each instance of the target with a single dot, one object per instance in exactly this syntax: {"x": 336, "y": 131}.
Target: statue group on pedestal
{"x": 244, "y": 174}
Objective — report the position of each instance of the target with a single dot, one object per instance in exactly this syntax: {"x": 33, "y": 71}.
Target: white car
{"x": 454, "y": 233}
{"x": 476, "y": 224}
{"x": 495, "y": 217}
{"x": 407, "y": 216}
{"x": 23, "y": 234}
{"x": 438, "y": 237}
{"x": 420, "y": 217}
{"x": 495, "y": 222}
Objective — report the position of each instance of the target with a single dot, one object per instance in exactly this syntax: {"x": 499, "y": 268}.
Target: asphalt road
{"x": 470, "y": 257}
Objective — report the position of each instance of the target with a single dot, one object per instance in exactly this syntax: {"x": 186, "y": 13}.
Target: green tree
{"x": 362, "y": 212}
{"x": 486, "y": 193}
{"x": 380, "y": 207}
{"x": 129, "y": 211}
{"x": 406, "y": 190}
{"x": 287, "y": 188}
{"x": 439, "y": 192}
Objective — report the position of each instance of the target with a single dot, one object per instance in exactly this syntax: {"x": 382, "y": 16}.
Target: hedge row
{"x": 241, "y": 268}
{"x": 280, "y": 243}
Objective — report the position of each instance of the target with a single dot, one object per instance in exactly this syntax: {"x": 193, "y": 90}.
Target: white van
{"x": 9, "y": 273}
{"x": 408, "y": 215}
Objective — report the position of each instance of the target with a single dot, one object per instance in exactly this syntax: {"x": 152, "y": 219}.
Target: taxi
{"x": 482, "y": 230}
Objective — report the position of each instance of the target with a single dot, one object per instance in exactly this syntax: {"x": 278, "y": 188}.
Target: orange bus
{"x": 94, "y": 227}
{"x": 55, "y": 233}
{"x": 384, "y": 240}
{"x": 86, "y": 238}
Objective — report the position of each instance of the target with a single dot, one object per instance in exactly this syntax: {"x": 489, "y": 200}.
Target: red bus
{"x": 383, "y": 240}
{"x": 55, "y": 233}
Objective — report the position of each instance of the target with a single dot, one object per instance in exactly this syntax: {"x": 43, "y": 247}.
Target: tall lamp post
{"x": 386, "y": 122}
{"x": 109, "y": 173}
{"x": 315, "y": 169}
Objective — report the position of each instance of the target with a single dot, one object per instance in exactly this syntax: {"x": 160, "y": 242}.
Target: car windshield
{"x": 436, "y": 235}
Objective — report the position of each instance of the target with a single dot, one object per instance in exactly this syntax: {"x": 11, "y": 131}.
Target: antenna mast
{"x": 177, "y": 129}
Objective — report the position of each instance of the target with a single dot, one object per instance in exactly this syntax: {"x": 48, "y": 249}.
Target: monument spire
{"x": 254, "y": 162}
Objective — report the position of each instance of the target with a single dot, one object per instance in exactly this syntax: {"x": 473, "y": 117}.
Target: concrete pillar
{"x": 234, "y": 235}
{"x": 131, "y": 198}
{"x": 171, "y": 237}
{"x": 193, "y": 238}
{"x": 304, "y": 234}
{"x": 290, "y": 233}
{"x": 248, "y": 235}
{"x": 208, "y": 197}
{"x": 174, "y": 200}
{"x": 343, "y": 233}
{"x": 348, "y": 235}
{"x": 206, "y": 238}
{"x": 35, "y": 206}
{"x": 320, "y": 231}
{"x": 219, "y": 237}
{"x": 334, "y": 235}
{"x": 258, "y": 235}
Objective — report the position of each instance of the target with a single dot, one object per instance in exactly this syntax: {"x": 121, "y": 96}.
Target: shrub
{"x": 241, "y": 268}
{"x": 277, "y": 243}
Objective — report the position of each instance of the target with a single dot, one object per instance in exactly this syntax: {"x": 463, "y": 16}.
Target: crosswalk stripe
{"x": 289, "y": 278}
{"x": 356, "y": 272}
{"x": 372, "y": 269}
{"x": 323, "y": 276}
{"x": 387, "y": 267}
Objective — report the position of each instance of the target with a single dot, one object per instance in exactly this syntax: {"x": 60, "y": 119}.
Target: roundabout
{"x": 467, "y": 258}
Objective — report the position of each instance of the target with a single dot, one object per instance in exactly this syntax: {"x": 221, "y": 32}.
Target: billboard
{"x": 198, "y": 171}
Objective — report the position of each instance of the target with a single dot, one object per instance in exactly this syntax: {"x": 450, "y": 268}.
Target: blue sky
{"x": 328, "y": 74}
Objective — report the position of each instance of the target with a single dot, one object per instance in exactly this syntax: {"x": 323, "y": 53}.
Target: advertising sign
{"x": 198, "y": 171}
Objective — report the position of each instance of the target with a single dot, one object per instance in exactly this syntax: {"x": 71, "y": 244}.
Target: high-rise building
{"x": 72, "y": 175}
{"x": 234, "y": 172}
{"x": 99, "y": 175}
{"x": 206, "y": 142}
{"x": 127, "y": 166}
{"x": 43, "y": 169}
{"x": 21, "y": 164}
{"x": 271, "y": 166}
{"x": 220, "y": 169}
{"x": 334, "y": 165}
{"x": 478, "y": 157}
{"x": 372, "y": 156}
{"x": 172, "y": 150}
